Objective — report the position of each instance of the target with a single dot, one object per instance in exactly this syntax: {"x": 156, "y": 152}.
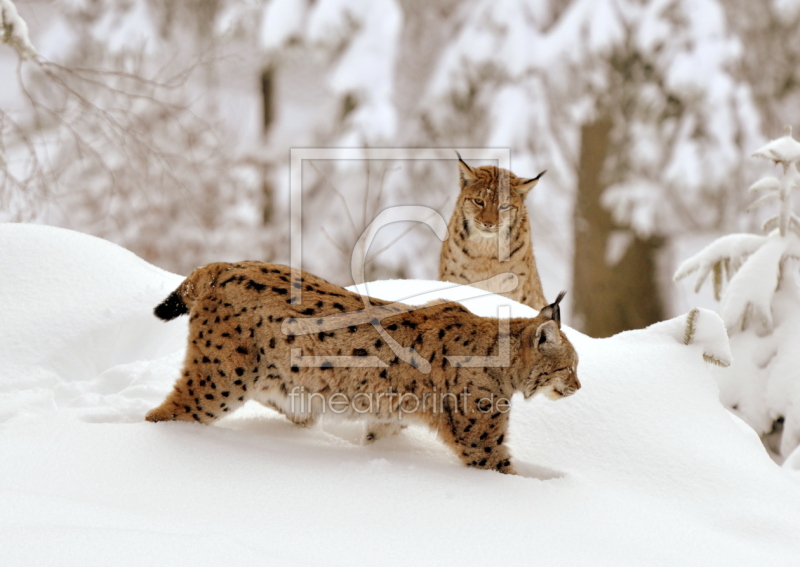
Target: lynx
{"x": 489, "y": 233}
{"x": 301, "y": 345}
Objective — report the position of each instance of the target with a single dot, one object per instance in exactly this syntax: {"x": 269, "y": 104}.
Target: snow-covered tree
{"x": 112, "y": 138}
{"x": 771, "y": 59}
{"x": 336, "y": 79}
{"x": 626, "y": 101}
{"x": 14, "y": 33}
{"x": 189, "y": 165}
{"x": 754, "y": 278}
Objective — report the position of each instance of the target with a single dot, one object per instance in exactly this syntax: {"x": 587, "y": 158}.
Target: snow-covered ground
{"x": 643, "y": 466}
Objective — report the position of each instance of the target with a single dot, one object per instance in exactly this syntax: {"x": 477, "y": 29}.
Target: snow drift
{"x": 642, "y": 466}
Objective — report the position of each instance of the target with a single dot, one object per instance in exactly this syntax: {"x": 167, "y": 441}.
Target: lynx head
{"x": 492, "y": 198}
{"x": 554, "y": 362}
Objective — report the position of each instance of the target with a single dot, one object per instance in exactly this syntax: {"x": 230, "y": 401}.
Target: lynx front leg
{"x": 379, "y": 430}
{"x": 478, "y": 438}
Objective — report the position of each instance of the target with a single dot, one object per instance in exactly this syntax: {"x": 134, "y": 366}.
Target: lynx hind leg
{"x": 380, "y": 429}
{"x": 203, "y": 394}
{"x": 478, "y": 440}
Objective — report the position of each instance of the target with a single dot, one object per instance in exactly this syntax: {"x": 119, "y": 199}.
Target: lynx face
{"x": 556, "y": 376}
{"x": 491, "y": 199}
{"x": 490, "y": 234}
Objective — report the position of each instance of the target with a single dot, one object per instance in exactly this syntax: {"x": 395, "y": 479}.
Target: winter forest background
{"x": 166, "y": 127}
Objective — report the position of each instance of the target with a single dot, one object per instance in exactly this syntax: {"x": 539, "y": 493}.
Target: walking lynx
{"x": 252, "y": 338}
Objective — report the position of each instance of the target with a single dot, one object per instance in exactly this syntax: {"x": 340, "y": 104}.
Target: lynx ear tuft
{"x": 553, "y": 311}
{"x": 465, "y": 172}
{"x": 523, "y": 186}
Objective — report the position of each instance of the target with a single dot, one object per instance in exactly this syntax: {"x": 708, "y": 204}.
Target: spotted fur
{"x": 246, "y": 319}
{"x": 489, "y": 233}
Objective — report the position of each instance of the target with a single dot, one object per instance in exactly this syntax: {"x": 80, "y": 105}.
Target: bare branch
{"x": 332, "y": 241}
{"x": 402, "y": 234}
{"x": 341, "y": 197}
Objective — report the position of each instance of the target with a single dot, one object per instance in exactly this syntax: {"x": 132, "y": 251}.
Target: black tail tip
{"x": 172, "y": 307}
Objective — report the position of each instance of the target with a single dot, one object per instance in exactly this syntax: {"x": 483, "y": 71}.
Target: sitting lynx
{"x": 252, "y": 338}
{"x": 489, "y": 233}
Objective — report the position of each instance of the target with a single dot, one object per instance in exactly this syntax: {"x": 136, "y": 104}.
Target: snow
{"x": 730, "y": 246}
{"x": 642, "y": 466}
{"x": 637, "y": 203}
{"x": 793, "y": 461}
{"x": 113, "y": 327}
{"x": 785, "y": 149}
{"x": 616, "y": 246}
{"x": 782, "y": 394}
{"x": 752, "y": 289}
{"x": 764, "y": 379}
{"x": 700, "y": 326}
{"x": 768, "y": 183}
{"x": 58, "y": 41}
{"x": 357, "y": 42}
{"x": 130, "y": 27}
{"x": 282, "y": 20}
{"x": 14, "y": 30}
{"x": 367, "y": 67}
{"x": 786, "y": 10}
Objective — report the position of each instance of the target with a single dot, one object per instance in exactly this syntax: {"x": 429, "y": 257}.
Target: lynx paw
{"x": 380, "y": 430}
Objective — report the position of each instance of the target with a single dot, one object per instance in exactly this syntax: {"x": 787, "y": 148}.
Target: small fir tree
{"x": 754, "y": 280}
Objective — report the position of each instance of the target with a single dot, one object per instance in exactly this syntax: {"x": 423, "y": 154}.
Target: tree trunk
{"x": 267, "y": 97}
{"x": 607, "y": 298}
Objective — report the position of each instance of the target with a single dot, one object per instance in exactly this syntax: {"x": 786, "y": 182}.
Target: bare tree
{"x": 110, "y": 142}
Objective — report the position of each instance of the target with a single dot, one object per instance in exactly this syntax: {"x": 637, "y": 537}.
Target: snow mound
{"x": 702, "y": 328}
{"x": 79, "y": 334}
{"x": 642, "y": 466}
{"x": 792, "y": 462}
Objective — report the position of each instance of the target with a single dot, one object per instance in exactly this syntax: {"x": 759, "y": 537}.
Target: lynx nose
{"x": 576, "y": 383}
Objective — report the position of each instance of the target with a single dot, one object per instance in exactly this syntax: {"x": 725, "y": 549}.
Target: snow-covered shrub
{"x": 754, "y": 280}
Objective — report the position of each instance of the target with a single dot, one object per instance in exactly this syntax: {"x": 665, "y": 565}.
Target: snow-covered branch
{"x": 722, "y": 255}
{"x": 786, "y": 152}
{"x": 14, "y": 30}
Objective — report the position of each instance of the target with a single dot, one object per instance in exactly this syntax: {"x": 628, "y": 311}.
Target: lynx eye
{"x": 478, "y": 202}
{"x": 504, "y": 207}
